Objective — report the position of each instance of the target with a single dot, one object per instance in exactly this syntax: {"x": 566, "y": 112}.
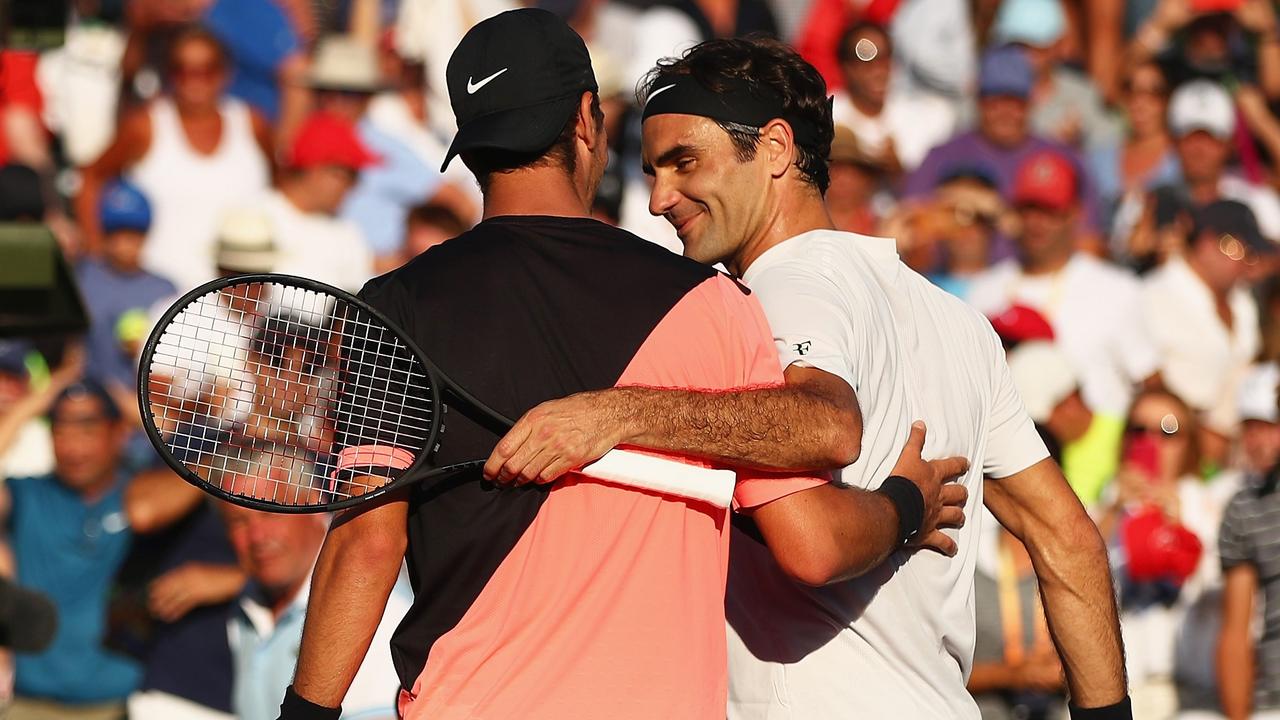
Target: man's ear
{"x": 588, "y": 131}
{"x": 778, "y": 143}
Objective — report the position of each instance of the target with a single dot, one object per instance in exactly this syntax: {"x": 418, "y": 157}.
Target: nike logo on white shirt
{"x": 473, "y": 87}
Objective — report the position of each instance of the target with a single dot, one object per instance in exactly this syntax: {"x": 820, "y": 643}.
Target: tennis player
{"x": 736, "y": 135}
{"x": 585, "y": 600}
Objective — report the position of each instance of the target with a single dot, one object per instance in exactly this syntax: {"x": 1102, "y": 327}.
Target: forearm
{"x": 1070, "y": 562}
{"x": 829, "y": 534}
{"x": 353, "y": 578}
{"x": 772, "y": 428}
{"x": 1269, "y": 66}
{"x": 158, "y": 498}
{"x": 1235, "y": 675}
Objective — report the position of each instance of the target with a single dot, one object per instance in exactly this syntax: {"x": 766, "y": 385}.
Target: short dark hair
{"x": 195, "y": 32}
{"x": 438, "y": 215}
{"x": 763, "y": 64}
{"x": 844, "y": 49}
{"x": 484, "y": 162}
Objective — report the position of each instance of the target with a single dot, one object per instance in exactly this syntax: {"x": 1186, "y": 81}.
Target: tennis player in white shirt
{"x": 736, "y": 135}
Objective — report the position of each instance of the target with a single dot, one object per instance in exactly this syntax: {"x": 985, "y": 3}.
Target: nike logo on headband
{"x": 662, "y": 89}
{"x": 473, "y": 87}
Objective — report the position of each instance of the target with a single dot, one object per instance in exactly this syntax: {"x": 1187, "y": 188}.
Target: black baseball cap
{"x": 515, "y": 80}
{"x": 1228, "y": 217}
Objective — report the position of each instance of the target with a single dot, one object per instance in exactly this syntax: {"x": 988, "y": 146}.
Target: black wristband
{"x": 296, "y": 707}
{"x": 908, "y": 501}
{"x": 1122, "y": 710}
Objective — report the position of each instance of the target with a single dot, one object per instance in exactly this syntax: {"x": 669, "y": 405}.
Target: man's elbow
{"x": 814, "y": 564}
{"x": 844, "y": 441}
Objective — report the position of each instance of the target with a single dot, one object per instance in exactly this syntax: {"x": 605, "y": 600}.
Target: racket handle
{"x": 668, "y": 477}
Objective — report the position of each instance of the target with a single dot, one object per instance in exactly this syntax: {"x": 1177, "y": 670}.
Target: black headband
{"x": 738, "y": 103}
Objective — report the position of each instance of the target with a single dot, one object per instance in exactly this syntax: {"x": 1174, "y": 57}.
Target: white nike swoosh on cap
{"x": 473, "y": 87}
{"x": 663, "y": 89}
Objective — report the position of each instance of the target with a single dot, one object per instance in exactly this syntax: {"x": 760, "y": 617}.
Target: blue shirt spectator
{"x": 380, "y": 201}
{"x": 259, "y": 38}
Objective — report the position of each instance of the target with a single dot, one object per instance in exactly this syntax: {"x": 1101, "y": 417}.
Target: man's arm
{"x": 354, "y": 575}
{"x": 811, "y": 423}
{"x": 830, "y": 533}
{"x": 1235, "y": 643}
{"x": 1070, "y": 562}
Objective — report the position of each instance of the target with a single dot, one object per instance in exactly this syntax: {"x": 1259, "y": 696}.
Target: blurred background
{"x": 1098, "y": 177}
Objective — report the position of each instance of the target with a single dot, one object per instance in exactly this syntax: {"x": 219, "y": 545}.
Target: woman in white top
{"x": 194, "y": 152}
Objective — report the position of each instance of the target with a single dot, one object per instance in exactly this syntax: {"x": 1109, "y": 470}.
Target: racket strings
{"x": 287, "y": 395}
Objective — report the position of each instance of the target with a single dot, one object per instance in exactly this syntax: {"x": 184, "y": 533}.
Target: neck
{"x": 95, "y": 490}
{"x": 1198, "y": 269}
{"x": 1203, "y": 190}
{"x": 797, "y": 212}
{"x": 1148, "y": 140}
{"x": 281, "y": 599}
{"x": 536, "y": 191}
{"x": 296, "y": 194}
{"x": 866, "y": 105}
{"x": 1046, "y": 265}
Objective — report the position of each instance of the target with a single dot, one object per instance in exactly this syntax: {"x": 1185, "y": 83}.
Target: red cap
{"x": 1020, "y": 323}
{"x": 1046, "y": 178}
{"x": 1158, "y": 548}
{"x": 326, "y": 139}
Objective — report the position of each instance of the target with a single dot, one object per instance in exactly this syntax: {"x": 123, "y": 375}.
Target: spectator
{"x": 401, "y": 111}
{"x": 1093, "y": 306}
{"x": 1144, "y": 160}
{"x": 69, "y": 537}
{"x": 1210, "y": 40}
{"x": 855, "y": 197}
{"x": 278, "y": 553}
{"x": 345, "y": 76}
{"x": 26, "y": 447}
{"x": 1164, "y": 520}
{"x": 181, "y": 575}
{"x": 892, "y": 128}
{"x": 1248, "y": 674}
{"x": 430, "y": 225}
{"x": 194, "y": 154}
{"x": 1002, "y": 140}
{"x": 1065, "y": 106}
{"x": 1016, "y": 672}
{"x": 320, "y": 170}
{"x": 245, "y": 244}
{"x": 1202, "y": 118}
{"x": 967, "y": 214}
{"x": 116, "y": 287}
{"x": 1050, "y": 388}
{"x": 264, "y": 43}
{"x": 1204, "y": 320}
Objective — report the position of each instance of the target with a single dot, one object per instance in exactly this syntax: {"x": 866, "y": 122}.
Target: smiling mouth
{"x": 682, "y": 225}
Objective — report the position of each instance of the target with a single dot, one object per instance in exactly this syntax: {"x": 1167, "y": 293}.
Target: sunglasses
{"x": 203, "y": 71}
{"x": 1169, "y": 427}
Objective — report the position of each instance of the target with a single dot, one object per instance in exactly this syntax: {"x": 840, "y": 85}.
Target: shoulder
{"x": 1100, "y": 274}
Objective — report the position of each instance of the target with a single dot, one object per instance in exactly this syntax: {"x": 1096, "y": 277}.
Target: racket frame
{"x": 437, "y": 382}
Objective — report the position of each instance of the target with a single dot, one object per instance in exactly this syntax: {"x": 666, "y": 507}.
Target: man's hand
{"x": 190, "y": 586}
{"x": 944, "y": 499}
{"x": 554, "y": 438}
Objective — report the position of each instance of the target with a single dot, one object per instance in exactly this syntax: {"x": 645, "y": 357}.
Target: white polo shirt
{"x": 1095, "y": 310}
{"x": 1204, "y": 360}
{"x": 897, "y": 642}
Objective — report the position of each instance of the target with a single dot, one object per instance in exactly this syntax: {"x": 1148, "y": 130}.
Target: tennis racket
{"x": 284, "y": 394}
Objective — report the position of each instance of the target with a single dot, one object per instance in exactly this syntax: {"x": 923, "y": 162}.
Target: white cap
{"x": 343, "y": 63}
{"x": 1043, "y": 375}
{"x": 1259, "y": 397}
{"x": 245, "y": 242}
{"x": 1202, "y": 105}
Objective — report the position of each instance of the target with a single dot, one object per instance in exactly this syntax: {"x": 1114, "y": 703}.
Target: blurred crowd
{"x": 1099, "y": 178}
